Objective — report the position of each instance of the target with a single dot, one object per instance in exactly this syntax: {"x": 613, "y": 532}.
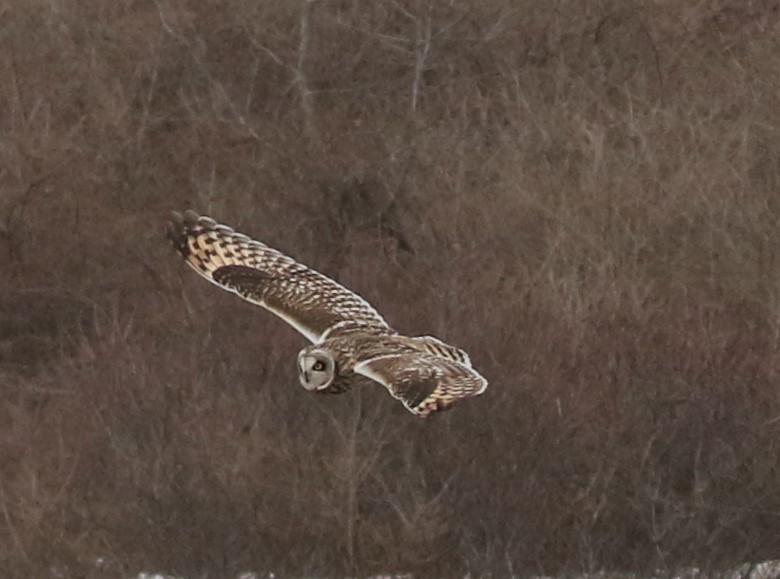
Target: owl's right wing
{"x": 315, "y": 305}
{"x": 424, "y": 382}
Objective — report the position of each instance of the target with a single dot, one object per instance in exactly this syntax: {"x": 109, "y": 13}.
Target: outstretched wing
{"x": 423, "y": 382}
{"x": 312, "y": 303}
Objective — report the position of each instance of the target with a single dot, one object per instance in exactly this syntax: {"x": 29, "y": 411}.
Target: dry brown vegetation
{"x": 583, "y": 194}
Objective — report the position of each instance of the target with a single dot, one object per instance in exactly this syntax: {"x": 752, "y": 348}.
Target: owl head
{"x": 316, "y": 368}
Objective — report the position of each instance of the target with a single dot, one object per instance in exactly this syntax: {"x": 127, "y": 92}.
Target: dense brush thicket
{"x": 583, "y": 195}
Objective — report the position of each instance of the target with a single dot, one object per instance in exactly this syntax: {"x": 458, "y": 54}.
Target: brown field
{"x": 585, "y": 195}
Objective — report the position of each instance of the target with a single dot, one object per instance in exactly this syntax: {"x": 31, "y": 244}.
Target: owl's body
{"x": 351, "y": 342}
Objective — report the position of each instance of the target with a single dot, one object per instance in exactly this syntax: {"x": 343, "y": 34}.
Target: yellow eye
{"x": 318, "y": 366}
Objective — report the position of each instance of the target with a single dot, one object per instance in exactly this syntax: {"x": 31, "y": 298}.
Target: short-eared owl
{"x": 350, "y": 340}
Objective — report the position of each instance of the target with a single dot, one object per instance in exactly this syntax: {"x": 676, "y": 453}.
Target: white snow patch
{"x": 765, "y": 570}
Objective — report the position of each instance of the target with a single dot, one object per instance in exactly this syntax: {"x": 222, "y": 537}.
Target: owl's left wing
{"x": 423, "y": 382}
{"x": 315, "y": 305}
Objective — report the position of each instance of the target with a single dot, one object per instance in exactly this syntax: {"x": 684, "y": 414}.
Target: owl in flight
{"x": 350, "y": 340}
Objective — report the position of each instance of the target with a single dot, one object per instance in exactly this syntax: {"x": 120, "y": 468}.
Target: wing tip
{"x": 428, "y": 407}
{"x": 182, "y": 225}
{"x": 176, "y": 232}
{"x": 434, "y": 404}
{"x": 191, "y": 218}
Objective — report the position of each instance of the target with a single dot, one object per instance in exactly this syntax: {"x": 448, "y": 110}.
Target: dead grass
{"x": 583, "y": 195}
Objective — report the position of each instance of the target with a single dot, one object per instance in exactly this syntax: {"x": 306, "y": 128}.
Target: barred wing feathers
{"x": 436, "y": 347}
{"x": 315, "y": 305}
{"x": 424, "y": 382}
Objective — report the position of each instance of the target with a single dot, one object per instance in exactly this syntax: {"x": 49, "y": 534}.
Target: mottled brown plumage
{"x": 350, "y": 340}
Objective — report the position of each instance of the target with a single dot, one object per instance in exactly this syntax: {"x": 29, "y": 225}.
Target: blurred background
{"x": 583, "y": 194}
